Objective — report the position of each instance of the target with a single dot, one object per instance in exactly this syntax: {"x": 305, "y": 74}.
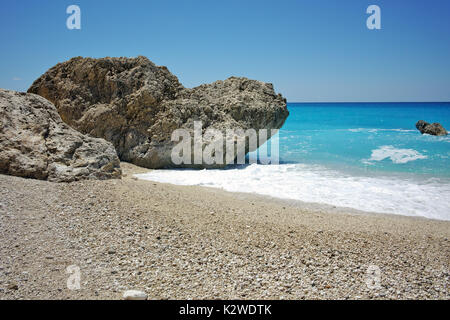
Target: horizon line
{"x": 305, "y": 102}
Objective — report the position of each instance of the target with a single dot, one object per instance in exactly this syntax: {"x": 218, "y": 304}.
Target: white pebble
{"x": 134, "y": 295}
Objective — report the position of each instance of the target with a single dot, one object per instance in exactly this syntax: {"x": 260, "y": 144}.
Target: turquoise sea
{"x": 366, "y": 156}
{"x": 372, "y": 138}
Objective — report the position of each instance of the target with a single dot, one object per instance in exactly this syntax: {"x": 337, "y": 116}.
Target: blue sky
{"x": 311, "y": 50}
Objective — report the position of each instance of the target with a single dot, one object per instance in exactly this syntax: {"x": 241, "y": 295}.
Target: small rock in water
{"x": 134, "y": 295}
{"x": 435, "y": 129}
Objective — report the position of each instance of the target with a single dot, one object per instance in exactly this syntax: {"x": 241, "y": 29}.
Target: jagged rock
{"x": 137, "y": 105}
{"x": 36, "y": 143}
{"x": 435, "y": 129}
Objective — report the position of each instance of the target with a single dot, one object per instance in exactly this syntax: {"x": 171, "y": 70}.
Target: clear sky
{"x": 311, "y": 50}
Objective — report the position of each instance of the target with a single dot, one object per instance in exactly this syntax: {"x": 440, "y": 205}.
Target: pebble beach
{"x": 179, "y": 242}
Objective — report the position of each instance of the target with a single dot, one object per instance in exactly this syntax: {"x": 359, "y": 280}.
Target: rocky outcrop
{"x": 137, "y": 105}
{"x": 36, "y": 143}
{"x": 435, "y": 129}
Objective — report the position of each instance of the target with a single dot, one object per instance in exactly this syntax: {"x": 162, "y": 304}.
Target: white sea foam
{"x": 319, "y": 185}
{"x": 374, "y": 130}
{"x": 429, "y": 137}
{"x": 397, "y": 156}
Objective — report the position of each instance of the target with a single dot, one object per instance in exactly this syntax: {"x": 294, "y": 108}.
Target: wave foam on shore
{"x": 316, "y": 184}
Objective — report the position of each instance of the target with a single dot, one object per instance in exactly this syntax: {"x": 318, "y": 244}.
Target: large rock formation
{"x": 435, "y": 129}
{"x": 137, "y": 105}
{"x": 36, "y": 143}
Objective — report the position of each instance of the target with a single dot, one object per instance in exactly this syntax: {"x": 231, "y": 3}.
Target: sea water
{"x": 366, "y": 156}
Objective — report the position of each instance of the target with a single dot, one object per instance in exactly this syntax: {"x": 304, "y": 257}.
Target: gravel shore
{"x": 177, "y": 242}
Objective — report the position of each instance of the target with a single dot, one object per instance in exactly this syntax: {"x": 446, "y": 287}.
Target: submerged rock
{"x": 435, "y": 129}
{"x": 137, "y": 105}
{"x": 36, "y": 143}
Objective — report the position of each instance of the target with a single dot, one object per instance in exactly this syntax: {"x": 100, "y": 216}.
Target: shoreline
{"x": 312, "y": 207}
{"x": 299, "y": 204}
{"x": 181, "y": 242}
